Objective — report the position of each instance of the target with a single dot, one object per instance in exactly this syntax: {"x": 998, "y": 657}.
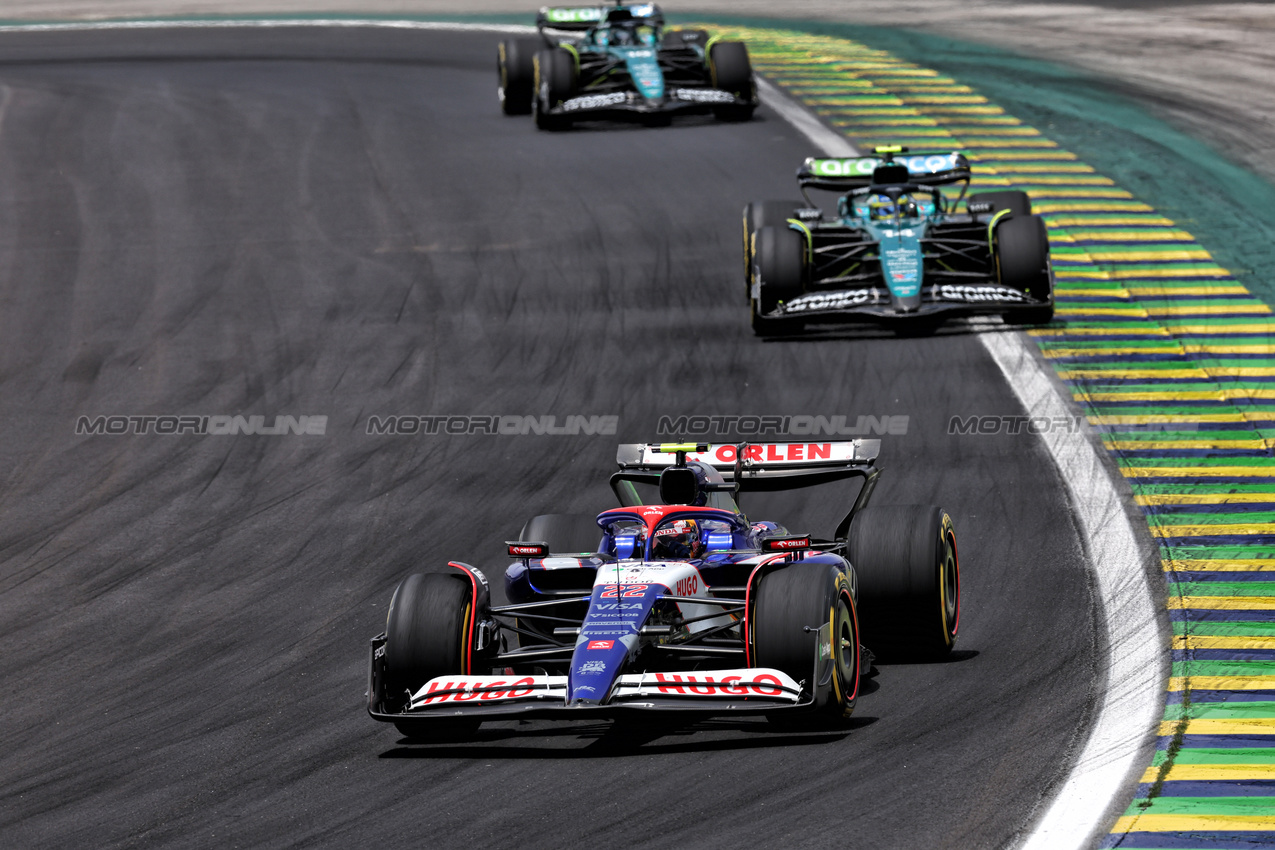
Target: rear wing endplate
{"x": 925, "y": 169}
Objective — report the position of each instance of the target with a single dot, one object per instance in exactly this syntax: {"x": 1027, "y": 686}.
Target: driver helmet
{"x": 679, "y": 540}
{"x": 881, "y": 207}
{"x": 623, "y": 35}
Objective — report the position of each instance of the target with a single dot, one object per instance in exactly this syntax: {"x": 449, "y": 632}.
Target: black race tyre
{"x": 554, "y": 74}
{"x": 731, "y": 71}
{"x": 757, "y": 215}
{"x": 565, "y": 533}
{"x": 1011, "y": 199}
{"x": 426, "y": 631}
{"x": 793, "y": 602}
{"x": 779, "y": 272}
{"x": 909, "y": 580}
{"x": 1022, "y": 257}
{"x": 515, "y": 63}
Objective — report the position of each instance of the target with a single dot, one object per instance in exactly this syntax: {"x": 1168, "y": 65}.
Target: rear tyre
{"x": 515, "y": 63}
{"x": 731, "y": 71}
{"x": 1013, "y": 200}
{"x": 757, "y": 215}
{"x": 426, "y": 636}
{"x": 909, "y": 580}
{"x": 779, "y": 273}
{"x": 554, "y": 73}
{"x": 793, "y": 602}
{"x": 1022, "y": 259}
{"x": 565, "y": 533}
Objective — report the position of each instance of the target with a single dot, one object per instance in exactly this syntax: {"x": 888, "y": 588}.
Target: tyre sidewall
{"x": 426, "y": 630}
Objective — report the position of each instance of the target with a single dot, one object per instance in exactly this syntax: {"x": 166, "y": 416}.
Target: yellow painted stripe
{"x": 1081, "y": 395}
{"x": 1223, "y": 683}
{"x": 1065, "y": 193}
{"x": 1189, "y": 254}
{"x": 1203, "y": 772}
{"x": 1226, "y": 348}
{"x": 1211, "y": 531}
{"x": 1228, "y": 310}
{"x": 1132, "y": 330}
{"x": 1096, "y": 219}
{"x": 1100, "y": 311}
{"x": 1220, "y": 289}
{"x": 1072, "y": 206}
{"x": 1156, "y": 235}
{"x": 1068, "y": 289}
{"x": 1205, "y": 499}
{"x": 1240, "y": 372}
{"x": 1195, "y": 471}
{"x": 1192, "y": 823}
{"x": 1002, "y": 156}
{"x": 1150, "y": 445}
{"x": 1221, "y": 603}
{"x": 1130, "y": 374}
{"x": 1224, "y": 642}
{"x": 1230, "y": 726}
{"x": 1222, "y": 565}
{"x": 1247, "y": 328}
{"x": 1112, "y": 352}
{"x": 1155, "y": 418}
{"x": 1033, "y": 168}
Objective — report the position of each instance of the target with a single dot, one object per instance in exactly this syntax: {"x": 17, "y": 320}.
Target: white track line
{"x": 1135, "y": 668}
{"x": 1132, "y": 697}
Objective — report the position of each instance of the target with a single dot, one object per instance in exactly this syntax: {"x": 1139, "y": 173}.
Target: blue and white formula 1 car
{"x": 898, "y": 251}
{"x": 615, "y": 62}
{"x": 676, "y": 601}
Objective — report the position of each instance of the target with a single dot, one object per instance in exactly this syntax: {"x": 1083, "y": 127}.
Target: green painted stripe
{"x": 1210, "y": 755}
{"x": 1233, "y": 629}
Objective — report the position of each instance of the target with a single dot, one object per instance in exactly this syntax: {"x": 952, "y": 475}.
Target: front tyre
{"x": 554, "y": 73}
{"x": 427, "y": 635}
{"x": 1022, "y": 260}
{"x": 909, "y": 580}
{"x": 731, "y": 71}
{"x": 793, "y": 604}
{"x": 779, "y": 273}
{"x": 757, "y": 215}
{"x": 515, "y": 64}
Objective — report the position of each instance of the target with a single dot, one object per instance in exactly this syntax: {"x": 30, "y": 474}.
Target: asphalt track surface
{"x": 342, "y": 223}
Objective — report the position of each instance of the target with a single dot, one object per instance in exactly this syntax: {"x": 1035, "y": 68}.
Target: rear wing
{"x": 581, "y": 18}
{"x": 924, "y": 169}
{"x": 756, "y": 466}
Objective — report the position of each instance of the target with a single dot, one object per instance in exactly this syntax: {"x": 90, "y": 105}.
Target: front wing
{"x": 876, "y": 304}
{"x": 753, "y": 690}
{"x": 619, "y": 103}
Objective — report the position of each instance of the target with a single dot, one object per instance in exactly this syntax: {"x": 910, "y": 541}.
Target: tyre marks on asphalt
{"x": 1173, "y": 362}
